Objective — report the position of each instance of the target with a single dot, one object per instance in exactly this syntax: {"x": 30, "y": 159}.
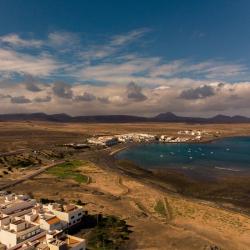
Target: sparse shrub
{"x": 160, "y": 208}
{"x": 110, "y": 233}
{"x": 46, "y": 201}
{"x": 80, "y": 203}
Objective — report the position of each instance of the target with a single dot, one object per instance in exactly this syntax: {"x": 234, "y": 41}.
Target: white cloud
{"x": 169, "y": 69}
{"x": 162, "y": 88}
{"x": 230, "y": 99}
{"x": 120, "y": 40}
{"x": 208, "y": 69}
{"x": 63, "y": 38}
{"x": 17, "y": 41}
{"x": 113, "y": 45}
{"x": 112, "y": 66}
{"x": 123, "y": 69}
{"x": 224, "y": 70}
{"x": 12, "y": 62}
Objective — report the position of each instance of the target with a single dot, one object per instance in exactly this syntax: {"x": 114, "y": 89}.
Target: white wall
{"x": 7, "y": 238}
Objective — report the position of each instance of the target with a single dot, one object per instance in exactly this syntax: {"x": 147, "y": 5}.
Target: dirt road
{"x": 30, "y": 175}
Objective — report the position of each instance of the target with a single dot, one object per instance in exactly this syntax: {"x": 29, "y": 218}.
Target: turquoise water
{"x": 231, "y": 154}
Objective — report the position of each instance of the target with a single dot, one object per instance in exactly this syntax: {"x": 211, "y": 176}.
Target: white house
{"x": 68, "y": 214}
{"x": 16, "y": 231}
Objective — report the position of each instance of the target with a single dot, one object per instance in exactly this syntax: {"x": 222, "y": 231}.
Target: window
{"x": 72, "y": 217}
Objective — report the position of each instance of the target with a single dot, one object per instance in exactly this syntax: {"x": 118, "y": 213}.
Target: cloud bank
{"x": 65, "y": 72}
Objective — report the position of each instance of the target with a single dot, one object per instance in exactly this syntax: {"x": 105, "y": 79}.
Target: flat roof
{"x": 53, "y": 220}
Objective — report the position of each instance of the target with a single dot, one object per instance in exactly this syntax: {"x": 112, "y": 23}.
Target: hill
{"x": 163, "y": 117}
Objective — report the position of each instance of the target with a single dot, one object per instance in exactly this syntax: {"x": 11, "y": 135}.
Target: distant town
{"x": 182, "y": 136}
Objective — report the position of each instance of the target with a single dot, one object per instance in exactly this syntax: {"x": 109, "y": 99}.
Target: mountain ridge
{"x": 162, "y": 117}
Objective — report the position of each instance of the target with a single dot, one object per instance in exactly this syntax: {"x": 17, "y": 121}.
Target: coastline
{"x": 123, "y": 146}
{"x": 229, "y": 189}
{"x": 228, "y": 192}
{"x": 117, "y": 148}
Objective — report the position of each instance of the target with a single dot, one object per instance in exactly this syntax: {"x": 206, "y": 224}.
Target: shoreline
{"x": 175, "y": 182}
{"x": 190, "y": 169}
{"x": 134, "y": 144}
{"x": 229, "y": 189}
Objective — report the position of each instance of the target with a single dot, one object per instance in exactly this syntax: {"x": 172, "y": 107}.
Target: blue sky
{"x": 130, "y": 57}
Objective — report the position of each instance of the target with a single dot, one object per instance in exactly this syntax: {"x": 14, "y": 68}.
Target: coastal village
{"x": 26, "y": 224}
{"x": 182, "y": 136}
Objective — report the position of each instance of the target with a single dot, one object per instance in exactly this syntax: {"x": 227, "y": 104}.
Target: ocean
{"x": 228, "y": 154}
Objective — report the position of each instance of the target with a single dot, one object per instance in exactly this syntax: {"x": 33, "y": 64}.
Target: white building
{"x": 15, "y": 205}
{"x": 103, "y": 140}
{"x": 136, "y": 137}
{"x": 68, "y": 214}
{"x": 18, "y": 230}
{"x": 27, "y": 225}
{"x": 171, "y": 139}
{"x": 62, "y": 241}
{"x": 54, "y": 240}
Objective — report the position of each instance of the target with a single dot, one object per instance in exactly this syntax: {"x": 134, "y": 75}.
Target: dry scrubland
{"x": 24, "y": 134}
{"x": 159, "y": 219}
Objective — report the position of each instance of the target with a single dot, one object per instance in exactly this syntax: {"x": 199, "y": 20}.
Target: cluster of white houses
{"x": 183, "y": 136}
{"x": 165, "y": 138}
{"x": 103, "y": 140}
{"x": 125, "y": 138}
{"x": 27, "y": 225}
{"x": 136, "y": 137}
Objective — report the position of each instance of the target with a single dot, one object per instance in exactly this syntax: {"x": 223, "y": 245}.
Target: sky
{"x": 143, "y": 58}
